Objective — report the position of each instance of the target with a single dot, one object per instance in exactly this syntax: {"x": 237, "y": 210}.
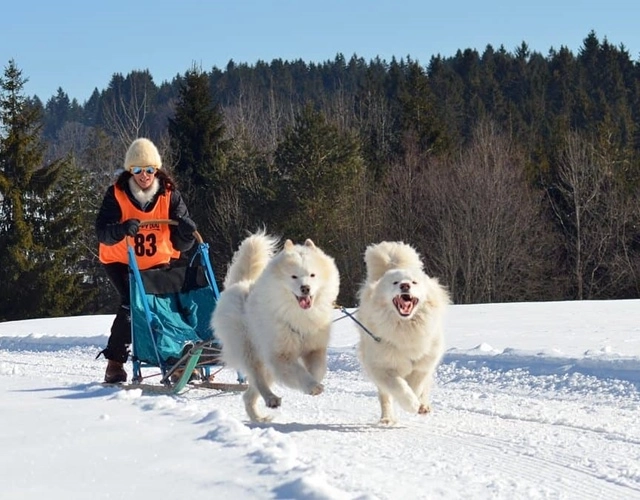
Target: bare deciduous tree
{"x": 592, "y": 212}
{"x": 474, "y": 220}
{"x": 125, "y": 110}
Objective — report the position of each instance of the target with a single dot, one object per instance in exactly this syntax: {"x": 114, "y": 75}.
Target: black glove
{"x": 186, "y": 227}
{"x": 130, "y": 227}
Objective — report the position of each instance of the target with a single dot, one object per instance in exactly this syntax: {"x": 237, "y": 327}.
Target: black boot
{"x": 115, "y": 373}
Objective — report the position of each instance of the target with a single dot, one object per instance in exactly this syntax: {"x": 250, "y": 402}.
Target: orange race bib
{"x": 152, "y": 245}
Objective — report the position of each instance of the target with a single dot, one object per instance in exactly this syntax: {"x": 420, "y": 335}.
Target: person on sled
{"x": 142, "y": 192}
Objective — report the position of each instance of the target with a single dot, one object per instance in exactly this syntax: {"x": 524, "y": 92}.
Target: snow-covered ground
{"x": 533, "y": 401}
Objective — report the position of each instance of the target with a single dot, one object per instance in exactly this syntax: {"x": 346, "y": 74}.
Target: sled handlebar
{"x": 169, "y": 222}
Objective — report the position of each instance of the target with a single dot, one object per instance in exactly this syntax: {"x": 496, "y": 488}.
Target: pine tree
{"x": 197, "y": 138}
{"x": 319, "y": 186}
{"x": 39, "y": 259}
{"x": 419, "y": 112}
{"x": 56, "y": 114}
{"x": 316, "y": 166}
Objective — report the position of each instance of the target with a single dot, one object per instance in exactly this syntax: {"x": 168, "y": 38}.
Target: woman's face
{"x": 144, "y": 175}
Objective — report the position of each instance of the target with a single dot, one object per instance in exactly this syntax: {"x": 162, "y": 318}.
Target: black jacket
{"x": 109, "y": 215}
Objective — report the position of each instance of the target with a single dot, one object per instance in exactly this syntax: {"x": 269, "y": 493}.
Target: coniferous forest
{"x": 515, "y": 174}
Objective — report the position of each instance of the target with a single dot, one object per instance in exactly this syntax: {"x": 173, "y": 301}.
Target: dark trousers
{"x": 118, "y": 345}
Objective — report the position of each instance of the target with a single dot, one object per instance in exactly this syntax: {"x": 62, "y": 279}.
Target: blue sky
{"x": 79, "y": 45}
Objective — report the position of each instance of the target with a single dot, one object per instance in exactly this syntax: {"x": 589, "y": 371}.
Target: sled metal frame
{"x": 176, "y": 376}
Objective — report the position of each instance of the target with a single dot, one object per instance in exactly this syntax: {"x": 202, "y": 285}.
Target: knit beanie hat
{"x": 142, "y": 153}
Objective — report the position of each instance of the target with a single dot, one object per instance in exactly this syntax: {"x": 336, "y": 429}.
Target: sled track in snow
{"x": 503, "y": 431}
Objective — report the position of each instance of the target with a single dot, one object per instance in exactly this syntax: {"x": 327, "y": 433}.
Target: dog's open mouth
{"x": 405, "y": 303}
{"x": 305, "y": 301}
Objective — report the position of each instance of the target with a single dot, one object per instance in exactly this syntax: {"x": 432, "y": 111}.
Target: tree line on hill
{"x": 514, "y": 174}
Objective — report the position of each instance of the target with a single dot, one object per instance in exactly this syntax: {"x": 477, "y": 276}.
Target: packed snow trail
{"x": 493, "y": 433}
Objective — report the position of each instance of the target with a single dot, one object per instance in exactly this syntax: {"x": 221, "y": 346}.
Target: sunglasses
{"x": 138, "y": 170}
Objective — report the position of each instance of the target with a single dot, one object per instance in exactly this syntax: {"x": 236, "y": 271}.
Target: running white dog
{"x": 274, "y": 317}
{"x": 403, "y": 309}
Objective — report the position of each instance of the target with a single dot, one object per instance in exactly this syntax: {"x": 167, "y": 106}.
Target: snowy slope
{"x": 532, "y": 401}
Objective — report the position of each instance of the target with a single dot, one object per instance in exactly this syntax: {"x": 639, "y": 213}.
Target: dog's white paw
{"x": 410, "y": 404}
{"x": 256, "y": 416}
{"x": 387, "y": 421}
{"x": 316, "y": 389}
{"x": 424, "y": 409}
{"x": 273, "y": 401}
{"x": 261, "y": 419}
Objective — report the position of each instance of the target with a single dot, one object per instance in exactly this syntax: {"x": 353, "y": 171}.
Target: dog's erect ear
{"x": 309, "y": 244}
{"x": 288, "y": 245}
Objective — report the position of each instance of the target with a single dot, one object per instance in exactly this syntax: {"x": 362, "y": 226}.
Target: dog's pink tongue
{"x": 305, "y": 302}
{"x": 404, "y": 306}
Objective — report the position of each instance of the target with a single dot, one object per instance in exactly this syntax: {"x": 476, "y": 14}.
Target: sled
{"x": 171, "y": 336}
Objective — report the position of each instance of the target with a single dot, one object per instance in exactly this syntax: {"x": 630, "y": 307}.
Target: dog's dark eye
{"x": 396, "y": 282}
{"x": 313, "y": 275}
{"x": 293, "y": 276}
{"x": 414, "y": 282}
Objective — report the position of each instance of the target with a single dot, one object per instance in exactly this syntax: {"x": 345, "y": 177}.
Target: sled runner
{"x": 171, "y": 310}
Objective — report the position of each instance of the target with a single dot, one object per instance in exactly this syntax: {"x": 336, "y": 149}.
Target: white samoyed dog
{"x": 401, "y": 344}
{"x": 274, "y": 317}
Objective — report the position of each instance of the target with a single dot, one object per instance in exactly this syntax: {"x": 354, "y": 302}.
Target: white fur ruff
{"x": 274, "y": 317}
{"x": 404, "y": 307}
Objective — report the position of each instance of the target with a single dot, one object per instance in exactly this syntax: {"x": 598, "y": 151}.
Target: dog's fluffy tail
{"x": 381, "y": 257}
{"x": 251, "y": 258}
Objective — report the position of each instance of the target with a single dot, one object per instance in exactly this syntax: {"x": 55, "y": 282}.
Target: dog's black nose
{"x": 304, "y": 289}
{"x": 405, "y": 287}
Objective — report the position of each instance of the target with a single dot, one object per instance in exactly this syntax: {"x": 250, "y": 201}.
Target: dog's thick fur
{"x": 404, "y": 308}
{"x": 274, "y": 317}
